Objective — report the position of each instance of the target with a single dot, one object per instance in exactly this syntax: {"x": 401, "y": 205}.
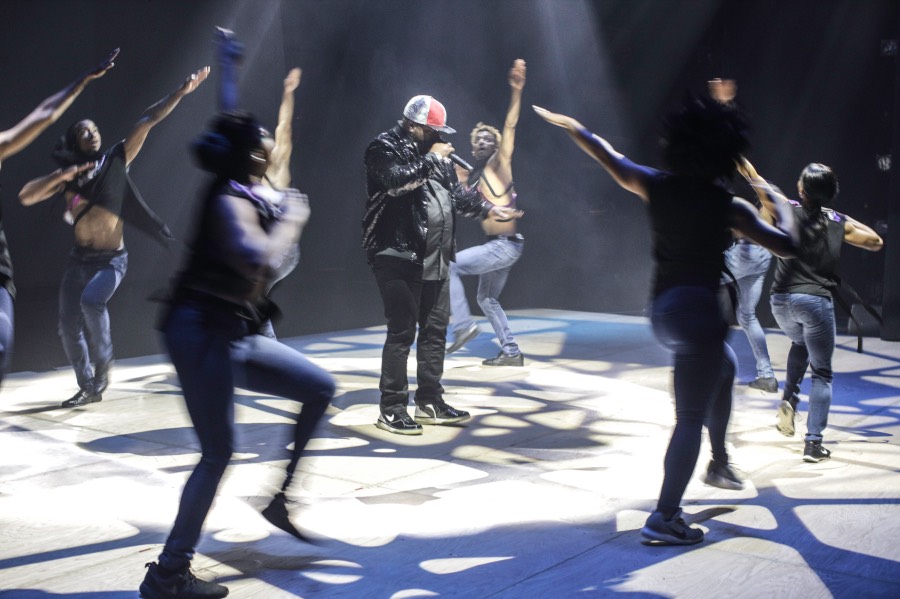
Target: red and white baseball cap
{"x": 425, "y": 110}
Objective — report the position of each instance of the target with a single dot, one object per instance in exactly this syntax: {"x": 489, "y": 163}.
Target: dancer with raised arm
{"x": 12, "y": 141}
{"x": 493, "y": 260}
{"x": 801, "y": 295}
{"x": 212, "y": 334}
{"x": 278, "y": 176}
{"x": 100, "y": 197}
{"x": 218, "y": 325}
{"x": 692, "y": 220}
{"x": 747, "y": 264}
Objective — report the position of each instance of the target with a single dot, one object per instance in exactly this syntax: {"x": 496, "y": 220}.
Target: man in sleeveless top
{"x": 493, "y": 260}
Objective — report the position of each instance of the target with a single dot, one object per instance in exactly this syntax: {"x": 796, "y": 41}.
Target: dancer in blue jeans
{"x": 212, "y": 333}
{"x": 100, "y": 197}
{"x": 749, "y": 263}
{"x": 692, "y": 221}
{"x": 801, "y": 297}
{"x": 12, "y": 141}
{"x": 493, "y": 260}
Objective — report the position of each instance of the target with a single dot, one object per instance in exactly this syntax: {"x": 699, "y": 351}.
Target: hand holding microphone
{"x": 445, "y": 150}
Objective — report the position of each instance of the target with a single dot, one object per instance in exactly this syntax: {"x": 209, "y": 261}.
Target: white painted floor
{"x": 541, "y": 494}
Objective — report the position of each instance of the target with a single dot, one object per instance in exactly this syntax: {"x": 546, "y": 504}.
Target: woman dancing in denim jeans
{"x": 12, "y": 141}
{"x": 99, "y": 196}
{"x": 211, "y": 332}
{"x": 692, "y": 220}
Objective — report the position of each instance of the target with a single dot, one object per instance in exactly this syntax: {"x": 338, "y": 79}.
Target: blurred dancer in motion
{"x": 278, "y": 176}
{"x": 692, "y": 220}
{"x": 212, "y": 333}
{"x": 218, "y": 326}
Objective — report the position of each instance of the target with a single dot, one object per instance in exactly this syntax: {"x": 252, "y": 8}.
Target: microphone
{"x": 456, "y": 159}
{"x": 459, "y": 161}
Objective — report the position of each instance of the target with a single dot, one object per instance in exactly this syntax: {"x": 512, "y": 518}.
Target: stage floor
{"x": 541, "y": 494}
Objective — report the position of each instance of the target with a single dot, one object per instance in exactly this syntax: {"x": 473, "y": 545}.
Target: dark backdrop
{"x": 812, "y": 74}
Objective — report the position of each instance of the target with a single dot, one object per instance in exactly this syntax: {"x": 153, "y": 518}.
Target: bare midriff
{"x": 489, "y": 184}
{"x": 98, "y": 228}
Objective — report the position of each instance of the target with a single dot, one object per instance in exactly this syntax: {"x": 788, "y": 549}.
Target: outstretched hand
{"x": 194, "y": 80}
{"x": 746, "y": 169}
{"x": 554, "y": 118}
{"x": 517, "y": 74}
{"x": 100, "y": 69}
{"x": 723, "y": 91}
{"x": 292, "y": 81}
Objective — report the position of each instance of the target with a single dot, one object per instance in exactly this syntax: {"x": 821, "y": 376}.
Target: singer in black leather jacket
{"x": 396, "y": 216}
{"x": 408, "y": 235}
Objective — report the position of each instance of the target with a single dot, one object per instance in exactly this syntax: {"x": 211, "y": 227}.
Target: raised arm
{"x": 860, "y": 235}
{"x": 629, "y": 175}
{"x": 781, "y": 239}
{"x": 156, "y": 113}
{"x": 772, "y": 201}
{"x": 16, "y": 138}
{"x": 508, "y": 141}
{"x": 229, "y": 52}
{"x": 279, "y": 172}
{"x": 42, "y": 188}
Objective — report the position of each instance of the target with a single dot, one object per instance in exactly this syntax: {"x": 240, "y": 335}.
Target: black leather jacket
{"x": 396, "y": 215}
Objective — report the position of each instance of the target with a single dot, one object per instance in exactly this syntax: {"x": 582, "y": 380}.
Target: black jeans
{"x": 410, "y": 301}
{"x": 688, "y": 322}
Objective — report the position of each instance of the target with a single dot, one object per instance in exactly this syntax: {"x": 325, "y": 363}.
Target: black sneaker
{"x": 463, "y": 337}
{"x": 439, "y": 413}
{"x": 659, "y": 531}
{"x": 722, "y": 476}
{"x": 814, "y": 452}
{"x": 785, "y": 419}
{"x": 768, "y": 384}
{"x": 162, "y": 584}
{"x": 400, "y": 424}
{"x": 81, "y": 398}
{"x": 506, "y": 360}
{"x": 277, "y": 515}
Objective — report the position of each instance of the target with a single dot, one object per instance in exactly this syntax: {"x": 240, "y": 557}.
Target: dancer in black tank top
{"x": 802, "y": 301}
{"x": 692, "y": 220}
